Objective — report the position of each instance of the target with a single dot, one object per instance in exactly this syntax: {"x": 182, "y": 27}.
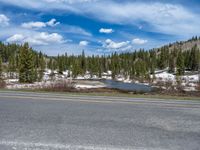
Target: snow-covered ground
{"x": 188, "y": 82}
{"x": 164, "y": 76}
{"x": 84, "y": 86}
{"x": 191, "y": 78}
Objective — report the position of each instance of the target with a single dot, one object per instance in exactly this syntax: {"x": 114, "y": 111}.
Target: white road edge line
{"x": 31, "y": 145}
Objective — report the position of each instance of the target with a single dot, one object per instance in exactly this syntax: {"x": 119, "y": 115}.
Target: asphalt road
{"x": 30, "y": 121}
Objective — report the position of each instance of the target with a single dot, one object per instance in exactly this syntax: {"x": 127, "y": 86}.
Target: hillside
{"x": 185, "y": 45}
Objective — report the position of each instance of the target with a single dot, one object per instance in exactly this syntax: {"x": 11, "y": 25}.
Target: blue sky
{"x": 97, "y": 26}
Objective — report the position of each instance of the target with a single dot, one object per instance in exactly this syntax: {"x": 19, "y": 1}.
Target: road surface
{"x": 30, "y": 121}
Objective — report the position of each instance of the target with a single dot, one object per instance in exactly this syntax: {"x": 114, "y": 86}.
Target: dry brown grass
{"x": 59, "y": 86}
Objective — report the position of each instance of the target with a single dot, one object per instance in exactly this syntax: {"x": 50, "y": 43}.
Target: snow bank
{"x": 189, "y": 89}
{"x": 191, "y": 78}
{"x": 83, "y": 86}
{"x": 165, "y": 76}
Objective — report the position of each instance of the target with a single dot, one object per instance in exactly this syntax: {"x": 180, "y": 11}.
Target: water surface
{"x": 127, "y": 86}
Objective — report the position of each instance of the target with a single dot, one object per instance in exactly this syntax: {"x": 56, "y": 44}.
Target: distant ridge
{"x": 184, "y": 45}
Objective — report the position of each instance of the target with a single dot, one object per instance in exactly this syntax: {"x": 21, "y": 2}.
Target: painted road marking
{"x": 33, "y": 146}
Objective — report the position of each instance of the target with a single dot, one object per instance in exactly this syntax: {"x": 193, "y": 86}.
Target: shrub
{"x": 2, "y": 84}
{"x": 62, "y": 86}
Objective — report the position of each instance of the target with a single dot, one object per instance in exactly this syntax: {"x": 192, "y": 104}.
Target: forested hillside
{"x": 186, "y": 45}
{"x": 139, "y": 64}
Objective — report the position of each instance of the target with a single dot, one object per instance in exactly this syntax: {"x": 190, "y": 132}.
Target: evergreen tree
{"x": 75, "y": 70}
{"x": 12, "y": 66}
{"x": 152, "y": 61}
{"x": 26, "y": 65}
{"x": 187, "y": 59}
{"x": 61, "y": 64}
{"x": 172, "y": 61}
{"x": 42, "y": 65}
{"x": 180, "y": 64}
{"x": 194, "y": 58}
{"x": 83, "y": 62}
{"x": 140, "y": 68}
{"x": 1, "y": 68}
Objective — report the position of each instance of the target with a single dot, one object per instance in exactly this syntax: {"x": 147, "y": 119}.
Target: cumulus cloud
{"x": 38, "y": 24}
{"x": 139, "y": 41}
{"x": 107, "y": 31}
{"x": 39, "y": 38}
{"x": 109, "y": 44}
{"x": 52, "y": 23}
{"x": 17, "y": 38}
{"x": 34, "y": 25}
{"x": 83, "y": 43}
{"x": 69, "y": 1}
{"x": 4, "y": 20}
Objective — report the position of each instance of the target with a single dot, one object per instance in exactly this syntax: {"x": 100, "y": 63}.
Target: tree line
{"x": 137, "y": 64}
{"x": 21, "y": 61}
{"x": 30, "y": 64}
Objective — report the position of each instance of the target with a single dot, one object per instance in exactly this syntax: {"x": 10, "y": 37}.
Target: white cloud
{"x": 69, "y": 1}
{"x": 4, "y": 20}
{"x": 74, "y": 30}
{"x": 109, "y": 44}
{"x": 159, "y": 16}
{"x": 39, "y": 38}
{"x": 139, "y": 41}
{"x": 17, "y": 38}
{"x": 107, "y": 31}
{"x": 34, "y": 25}
{"x": 38, "y": 24}
{"x": 83, "y": 43}
{"x": 52, "y": 23}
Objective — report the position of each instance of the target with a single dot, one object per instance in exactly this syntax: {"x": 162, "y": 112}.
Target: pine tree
{"x": 132, "y": 72}
{"x": 50, "y": 64}
{"x": 194, "y": 58}
{"x": 140, "y": 69}
{"x": 75, "y": 70}
{"x": 61, "y": 65}
{"x": 1, "y": 68}
{"x": 26, "y": 65}
{"x": 42, "y": 65}
{"x": 180, "y": 64}
{"x": 172, "y": 61}
{"x": 187, "y": 59}
{"x": 11, "y": 66}
{"x": 83, "y": 62}
{"x": 164, "y": 57}
{"x": 152, "y": 62}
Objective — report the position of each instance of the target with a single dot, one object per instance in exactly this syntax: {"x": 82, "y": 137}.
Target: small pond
{"x": 127, "y": 86}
